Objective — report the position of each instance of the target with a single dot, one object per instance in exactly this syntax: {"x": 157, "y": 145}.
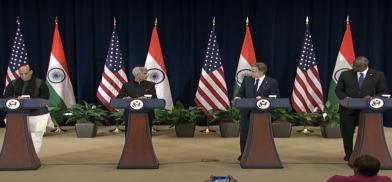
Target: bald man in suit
{"x": 359, "y": 82}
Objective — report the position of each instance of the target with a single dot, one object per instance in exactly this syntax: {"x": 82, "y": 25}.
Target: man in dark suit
{"x": 25, "y": 87}
{"x": 139, "y": 87}
{"x": 360, "y": 82}
{"x": 258, "y": 86}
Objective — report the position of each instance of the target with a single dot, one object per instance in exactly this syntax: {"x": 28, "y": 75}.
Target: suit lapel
{"x": 263, "y": 84}
{"x": 355, "y": 78}
{"x": 368, "y": 78}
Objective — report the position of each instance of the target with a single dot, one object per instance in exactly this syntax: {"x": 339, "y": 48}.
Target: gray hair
{"x": 362, "y": 59}
{"x": 137, "y": 70}
{"x": 261, "y": 67}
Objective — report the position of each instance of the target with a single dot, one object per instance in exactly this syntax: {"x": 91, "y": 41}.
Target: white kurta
{"x": 37, "y": 126}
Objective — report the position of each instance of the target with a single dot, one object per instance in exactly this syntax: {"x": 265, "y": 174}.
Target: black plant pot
{"x": 330, "y": 131}
{"x": 185, "y": 129}
{"x": 86, "y": 130}
{"x": 281, "y": 129}
{"x": 229, "y": 129}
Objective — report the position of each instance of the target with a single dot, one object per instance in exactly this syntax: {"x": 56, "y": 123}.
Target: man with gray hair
{"x": 25, "y": 87}
{"x": 140, "y": 88}
{"x": 257, "y": 86}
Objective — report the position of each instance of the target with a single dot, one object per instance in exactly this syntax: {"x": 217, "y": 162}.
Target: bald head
{"x": 360, "y": 64}
{"x": 25, "y": 72}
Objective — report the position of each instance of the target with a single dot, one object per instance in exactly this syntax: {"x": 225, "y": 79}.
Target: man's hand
{"x": 368, "y": 97}
{"x": 258, "y": 97}
{"x": 237, "y": 97}
{"x": 127, "y": 97}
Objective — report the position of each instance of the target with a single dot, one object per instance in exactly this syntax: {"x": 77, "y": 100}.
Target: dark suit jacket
{"x": 374, "y": 84}
{"x": 135, "y": 90}
{"x": 269, "y": 86}
{"x": 36, "y": 88}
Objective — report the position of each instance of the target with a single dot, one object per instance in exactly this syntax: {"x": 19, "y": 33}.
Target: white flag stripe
{"x": 301, "y": 92}
{"x": 109, "y": 87}
{"x": 309, "y": 88}
{"x": 217, "y": 89}
{"x": 113, "y": 77}
{"x": 206, "y": 105}
{"x": 299, "y": 103}
{"x": 105, "y": 96}
{"x": 210, "y": 95}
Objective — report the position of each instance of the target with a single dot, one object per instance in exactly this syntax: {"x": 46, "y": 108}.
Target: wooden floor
{"x": 67, "y": 158}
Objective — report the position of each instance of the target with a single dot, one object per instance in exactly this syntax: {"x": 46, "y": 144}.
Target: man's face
{"x": 25, "y": 73}
{"x": 359, "y": 66}
{"x": 256, "y": 73}
{"x": 143, "y": 75}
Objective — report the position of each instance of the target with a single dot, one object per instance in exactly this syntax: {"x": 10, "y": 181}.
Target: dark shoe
{"x": 346, "y": 158}
{"x": 239, "y": 157}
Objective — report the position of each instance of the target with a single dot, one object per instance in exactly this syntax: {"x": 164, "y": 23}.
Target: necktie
{"x": 360, "y": 80}
{"x": 256, "y": 84}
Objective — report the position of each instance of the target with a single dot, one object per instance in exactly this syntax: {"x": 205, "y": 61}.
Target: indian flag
{"x": 58, "y": 81}
{"x": 344, "y": 62}
{"x": 157, "y": 70}
{"x": 247, "y": 59}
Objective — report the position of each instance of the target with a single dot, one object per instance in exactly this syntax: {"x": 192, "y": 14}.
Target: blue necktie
{"x": 360, "y": 80}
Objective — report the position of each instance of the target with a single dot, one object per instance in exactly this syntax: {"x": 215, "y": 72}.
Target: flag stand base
{"x": 154, "y": 130}
{"x": 58, "y": 130}
{"x": 116, "y": 130}
{"x": 207, "y": 130}
{"x": 305, "y": 130}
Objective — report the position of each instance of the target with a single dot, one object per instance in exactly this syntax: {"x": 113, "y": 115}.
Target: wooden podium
{"x": 260, "y": 151}
{"x": 138, "y": 152}
{"x": 18, "y": 151}
{"x": 370, "y": 137}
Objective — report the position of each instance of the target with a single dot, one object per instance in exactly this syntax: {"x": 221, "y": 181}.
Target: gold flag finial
{"x": 17, "y": 20}
{"x": 156, "y": 21}
{"x": 348, "y": 19}
{"x": 307, "y": 20}
{"x": 247, "y": 21}
{"x": 56, "y": 20}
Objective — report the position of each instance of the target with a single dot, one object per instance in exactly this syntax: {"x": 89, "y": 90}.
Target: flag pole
{"x": 117, "y": 129}
{"x": 58, "y": 129}
{"x": 308, "y": 116}
{"x": 208, "y": 130}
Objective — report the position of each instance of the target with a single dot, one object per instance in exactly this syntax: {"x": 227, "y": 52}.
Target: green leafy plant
{"x": 331, "y": 114}
{"x": 179, "y": 114}
{"x": 85, "y": 112}
{"x": 284, "y": 115}
{"x": 230, "y": 115}
{"x": 57, "y": 115}
{"x": 305, "y": 119}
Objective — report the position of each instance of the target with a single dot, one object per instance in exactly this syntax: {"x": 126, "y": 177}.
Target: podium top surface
{"x": 362, "y": 103}
{"x": 134, "y": 104}
{"x": 23, "y": 104}
{"x": 251, "y": 103}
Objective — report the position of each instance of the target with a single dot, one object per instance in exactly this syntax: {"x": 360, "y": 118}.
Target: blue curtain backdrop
{"x": 277, "y": 28}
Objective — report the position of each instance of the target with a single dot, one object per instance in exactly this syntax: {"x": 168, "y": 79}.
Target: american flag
{"x": 307, "y": 93}
{"x": 113, "y": 76}
{"x": 212, "y": 91}
{"x": 18, "y": 56}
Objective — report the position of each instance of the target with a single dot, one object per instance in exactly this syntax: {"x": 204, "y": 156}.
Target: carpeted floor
{"x": 67, "y": 158}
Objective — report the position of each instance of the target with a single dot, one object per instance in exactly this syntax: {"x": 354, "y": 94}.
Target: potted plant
{"x": 228, "y": 121}
{"x": 58, "y": 116}
{"x": 181, "y": 118}
{"x": 86, "y": 118}
{"x": 282, "y": 122}
{"x": 330, "y": 125}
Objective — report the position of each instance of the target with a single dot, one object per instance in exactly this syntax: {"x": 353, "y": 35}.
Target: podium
{"x": 138, "y": 152}
{"x": 18, "y": 151}
{"x": 370, "y": 137}
{"x": 260, "y": 150}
